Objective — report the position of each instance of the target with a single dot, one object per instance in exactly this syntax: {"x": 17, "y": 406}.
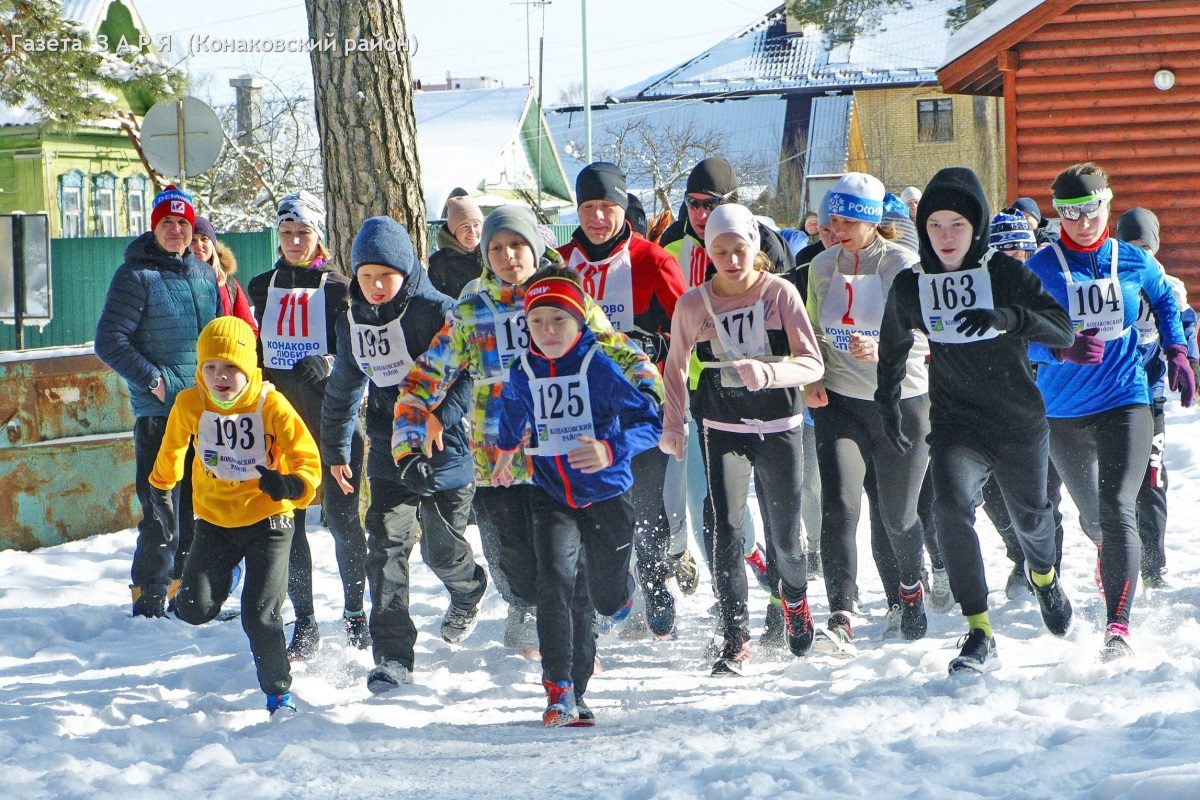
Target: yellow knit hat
{"x": 232, "y": 340}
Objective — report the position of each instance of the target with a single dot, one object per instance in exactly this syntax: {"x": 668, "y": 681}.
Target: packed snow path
{"x": 96, "y": 704}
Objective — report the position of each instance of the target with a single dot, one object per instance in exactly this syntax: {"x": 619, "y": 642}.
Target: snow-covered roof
{"x": 983, "y": 27}
{"x": 751, "y": 130}
{"x": 828, "y": 135}
{"x": 461, "y": 133}
{"x": 906, "y": 50}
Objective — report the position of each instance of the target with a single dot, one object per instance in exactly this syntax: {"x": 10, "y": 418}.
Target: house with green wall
{"x": 88, "y": 179}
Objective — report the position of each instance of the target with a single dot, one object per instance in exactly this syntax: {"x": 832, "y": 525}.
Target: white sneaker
{"x": 388, "y": 675}
{"x": 891, "y": 624}
{"x": 940, "y": 596}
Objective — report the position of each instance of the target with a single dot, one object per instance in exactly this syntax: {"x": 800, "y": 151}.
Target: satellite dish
{"x": 181, "y": 137}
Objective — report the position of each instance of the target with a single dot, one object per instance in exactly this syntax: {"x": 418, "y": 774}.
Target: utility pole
{"x": 587, "y": 92}
{"x": 528, "y": 39}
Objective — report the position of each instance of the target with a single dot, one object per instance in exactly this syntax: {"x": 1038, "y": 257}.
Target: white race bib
{"x": 694, "y": 261}
{"x": 741, "y": 333}
{"x": 230, "y": 446}
{"x": 1097, "y": 304}
{"x": 562, "y": 410}
{"x": 512, "y": 338}
{"x": 609, "y": 283}
{"x": 853, "y": 304}
{"x": 293, "y": 325}
{"x": 946, "y": 294}
{"x": 380, "y": 351}
{"x": 1147, "y": 329}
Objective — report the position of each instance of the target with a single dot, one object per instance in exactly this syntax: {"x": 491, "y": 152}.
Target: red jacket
{"x": 657, "y": 281}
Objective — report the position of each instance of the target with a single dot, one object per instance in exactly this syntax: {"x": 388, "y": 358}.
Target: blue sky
{"x": 629, "y": 39}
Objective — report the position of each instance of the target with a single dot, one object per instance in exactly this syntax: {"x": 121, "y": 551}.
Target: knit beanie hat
{"x": 382, "y": 240}
{"x": 172, "y": 202}
{"x": 732, "y": 218}
{"x": 857, "y": 196}
{"x": 712, "y": 176}
{"x": 635, "y": 212}
{"x": 1010, "y": 231}
{"x": 909, "y": 194}
{"x": 203, "y": 227}
{"x": 601, "y": 180}
{"x": 1027, "y": 205}
{"x": 823, "y": 211}
{"x": 1139, "y": 223}
{"x": 518, "y": 219}
{"x": 460, "y": 210}
{"x": 557, "y": 292}
{"x": 302, "y": 207}
{"x": 232, "y": 340}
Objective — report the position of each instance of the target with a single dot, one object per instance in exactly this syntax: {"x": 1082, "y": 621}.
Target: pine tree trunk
{"x": 365, "y": 119}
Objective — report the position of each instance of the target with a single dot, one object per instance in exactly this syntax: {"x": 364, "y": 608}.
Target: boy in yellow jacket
{"x": 255, "y": 462}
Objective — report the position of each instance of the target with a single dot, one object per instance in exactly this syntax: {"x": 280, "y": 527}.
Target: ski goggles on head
{"x": 706, "y": 203}
{"x": 1088, "y": 207}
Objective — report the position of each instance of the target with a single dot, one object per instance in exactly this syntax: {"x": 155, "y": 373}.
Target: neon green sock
{"x": 1042, "y": 580}
{"x": 980, "y": 621}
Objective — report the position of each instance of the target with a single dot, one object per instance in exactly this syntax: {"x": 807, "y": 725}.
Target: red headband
{"x": 561, "y": 293}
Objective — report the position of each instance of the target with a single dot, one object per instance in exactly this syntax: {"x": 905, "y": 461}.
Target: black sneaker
{"x": 460, "y": 621}
{"x": 913, "y": 622}
{"x": 306, "y": 639}
{"x": 773, "y": 637}
{"x": 735, "y": 656}
{"x": 1017, "y": 585}
{"x": 358, "y": 631}
{"x": 1056, "y": 608}
{"x": 587, "y": 718}
{"x": 978, "y": 654}
{"x": 798, "y": 623}
{"x": 660, "y": 613}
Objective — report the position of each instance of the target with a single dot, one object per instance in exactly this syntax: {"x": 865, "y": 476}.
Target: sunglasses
{"x": 1089, "y": 207}
{"x": 707, "y": 204}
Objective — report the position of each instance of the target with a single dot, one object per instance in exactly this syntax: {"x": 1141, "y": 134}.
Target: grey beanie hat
{"x": 518, "y": 219}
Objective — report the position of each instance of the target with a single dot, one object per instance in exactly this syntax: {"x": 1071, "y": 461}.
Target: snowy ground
{"x": 95, "y": 704}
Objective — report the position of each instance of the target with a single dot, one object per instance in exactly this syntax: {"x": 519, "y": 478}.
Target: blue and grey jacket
{"x": 157, "y": 304}
{"x": 422, "y": 312}
{"x": 1076, "y": 390}
{"x": 623, "y": 417}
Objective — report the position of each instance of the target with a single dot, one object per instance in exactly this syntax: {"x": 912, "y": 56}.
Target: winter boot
{"x": 388, "y": 675}
{"x": 560, "y": 704}
{"x": 147, "y": 602}
{"x": 358, "y": 631}
{"x": 913, "y": 622}
{"x": 978, "y": 653}
{"x": 306, "y": 639}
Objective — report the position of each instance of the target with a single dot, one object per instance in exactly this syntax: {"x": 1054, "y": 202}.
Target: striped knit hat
{"x": 1010, "y": 231}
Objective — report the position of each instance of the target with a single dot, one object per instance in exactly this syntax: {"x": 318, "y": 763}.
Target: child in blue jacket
{"x": 586, "y": 422}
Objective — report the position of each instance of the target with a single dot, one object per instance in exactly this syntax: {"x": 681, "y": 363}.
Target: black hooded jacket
{"x": 985, "y": 385}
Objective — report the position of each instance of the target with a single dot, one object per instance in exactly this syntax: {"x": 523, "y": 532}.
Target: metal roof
{"x": 906, "y": 49}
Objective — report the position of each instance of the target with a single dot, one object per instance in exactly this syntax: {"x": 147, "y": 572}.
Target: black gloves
{"x": 311, "y": 370}
{"x": 164, "y": 514}
{"x": 978, "y": 321}
{"x": 416, "y": 474}
{"x": 889, "y": 413}
{"x": 278, "y": 486}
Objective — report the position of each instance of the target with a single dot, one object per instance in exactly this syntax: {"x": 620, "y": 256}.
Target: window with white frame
{"x": 135, "y": 204}
{"x": 104, "y": 204}
{"x": 70, "y": 204}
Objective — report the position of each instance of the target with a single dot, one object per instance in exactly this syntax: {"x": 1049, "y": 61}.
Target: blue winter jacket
{"x": 1076, "y": 390}
{"x": 622, "y": 416}
{"x": 422, "y": 311}
{"x": 157, "y": 304}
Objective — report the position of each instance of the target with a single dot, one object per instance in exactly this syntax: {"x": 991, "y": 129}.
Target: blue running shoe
{"x": 281, "y": 703}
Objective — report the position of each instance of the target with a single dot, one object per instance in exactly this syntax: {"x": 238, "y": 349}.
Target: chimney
{"x": 249, "y": 103}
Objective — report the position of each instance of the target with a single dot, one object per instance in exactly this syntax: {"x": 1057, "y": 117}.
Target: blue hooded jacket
{"x": 156, "y": 306}
{"x": 1076, "y": 390}
{"x": 422, "y": 311}
{"x": 622, "y": 417}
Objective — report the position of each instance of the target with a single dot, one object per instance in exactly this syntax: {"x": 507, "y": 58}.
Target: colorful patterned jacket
{"x": 468, "y": 342}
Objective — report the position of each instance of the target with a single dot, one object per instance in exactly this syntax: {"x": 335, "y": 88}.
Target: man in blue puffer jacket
{"x": 157, "y": 304}
{"x": 394, "y": 314}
